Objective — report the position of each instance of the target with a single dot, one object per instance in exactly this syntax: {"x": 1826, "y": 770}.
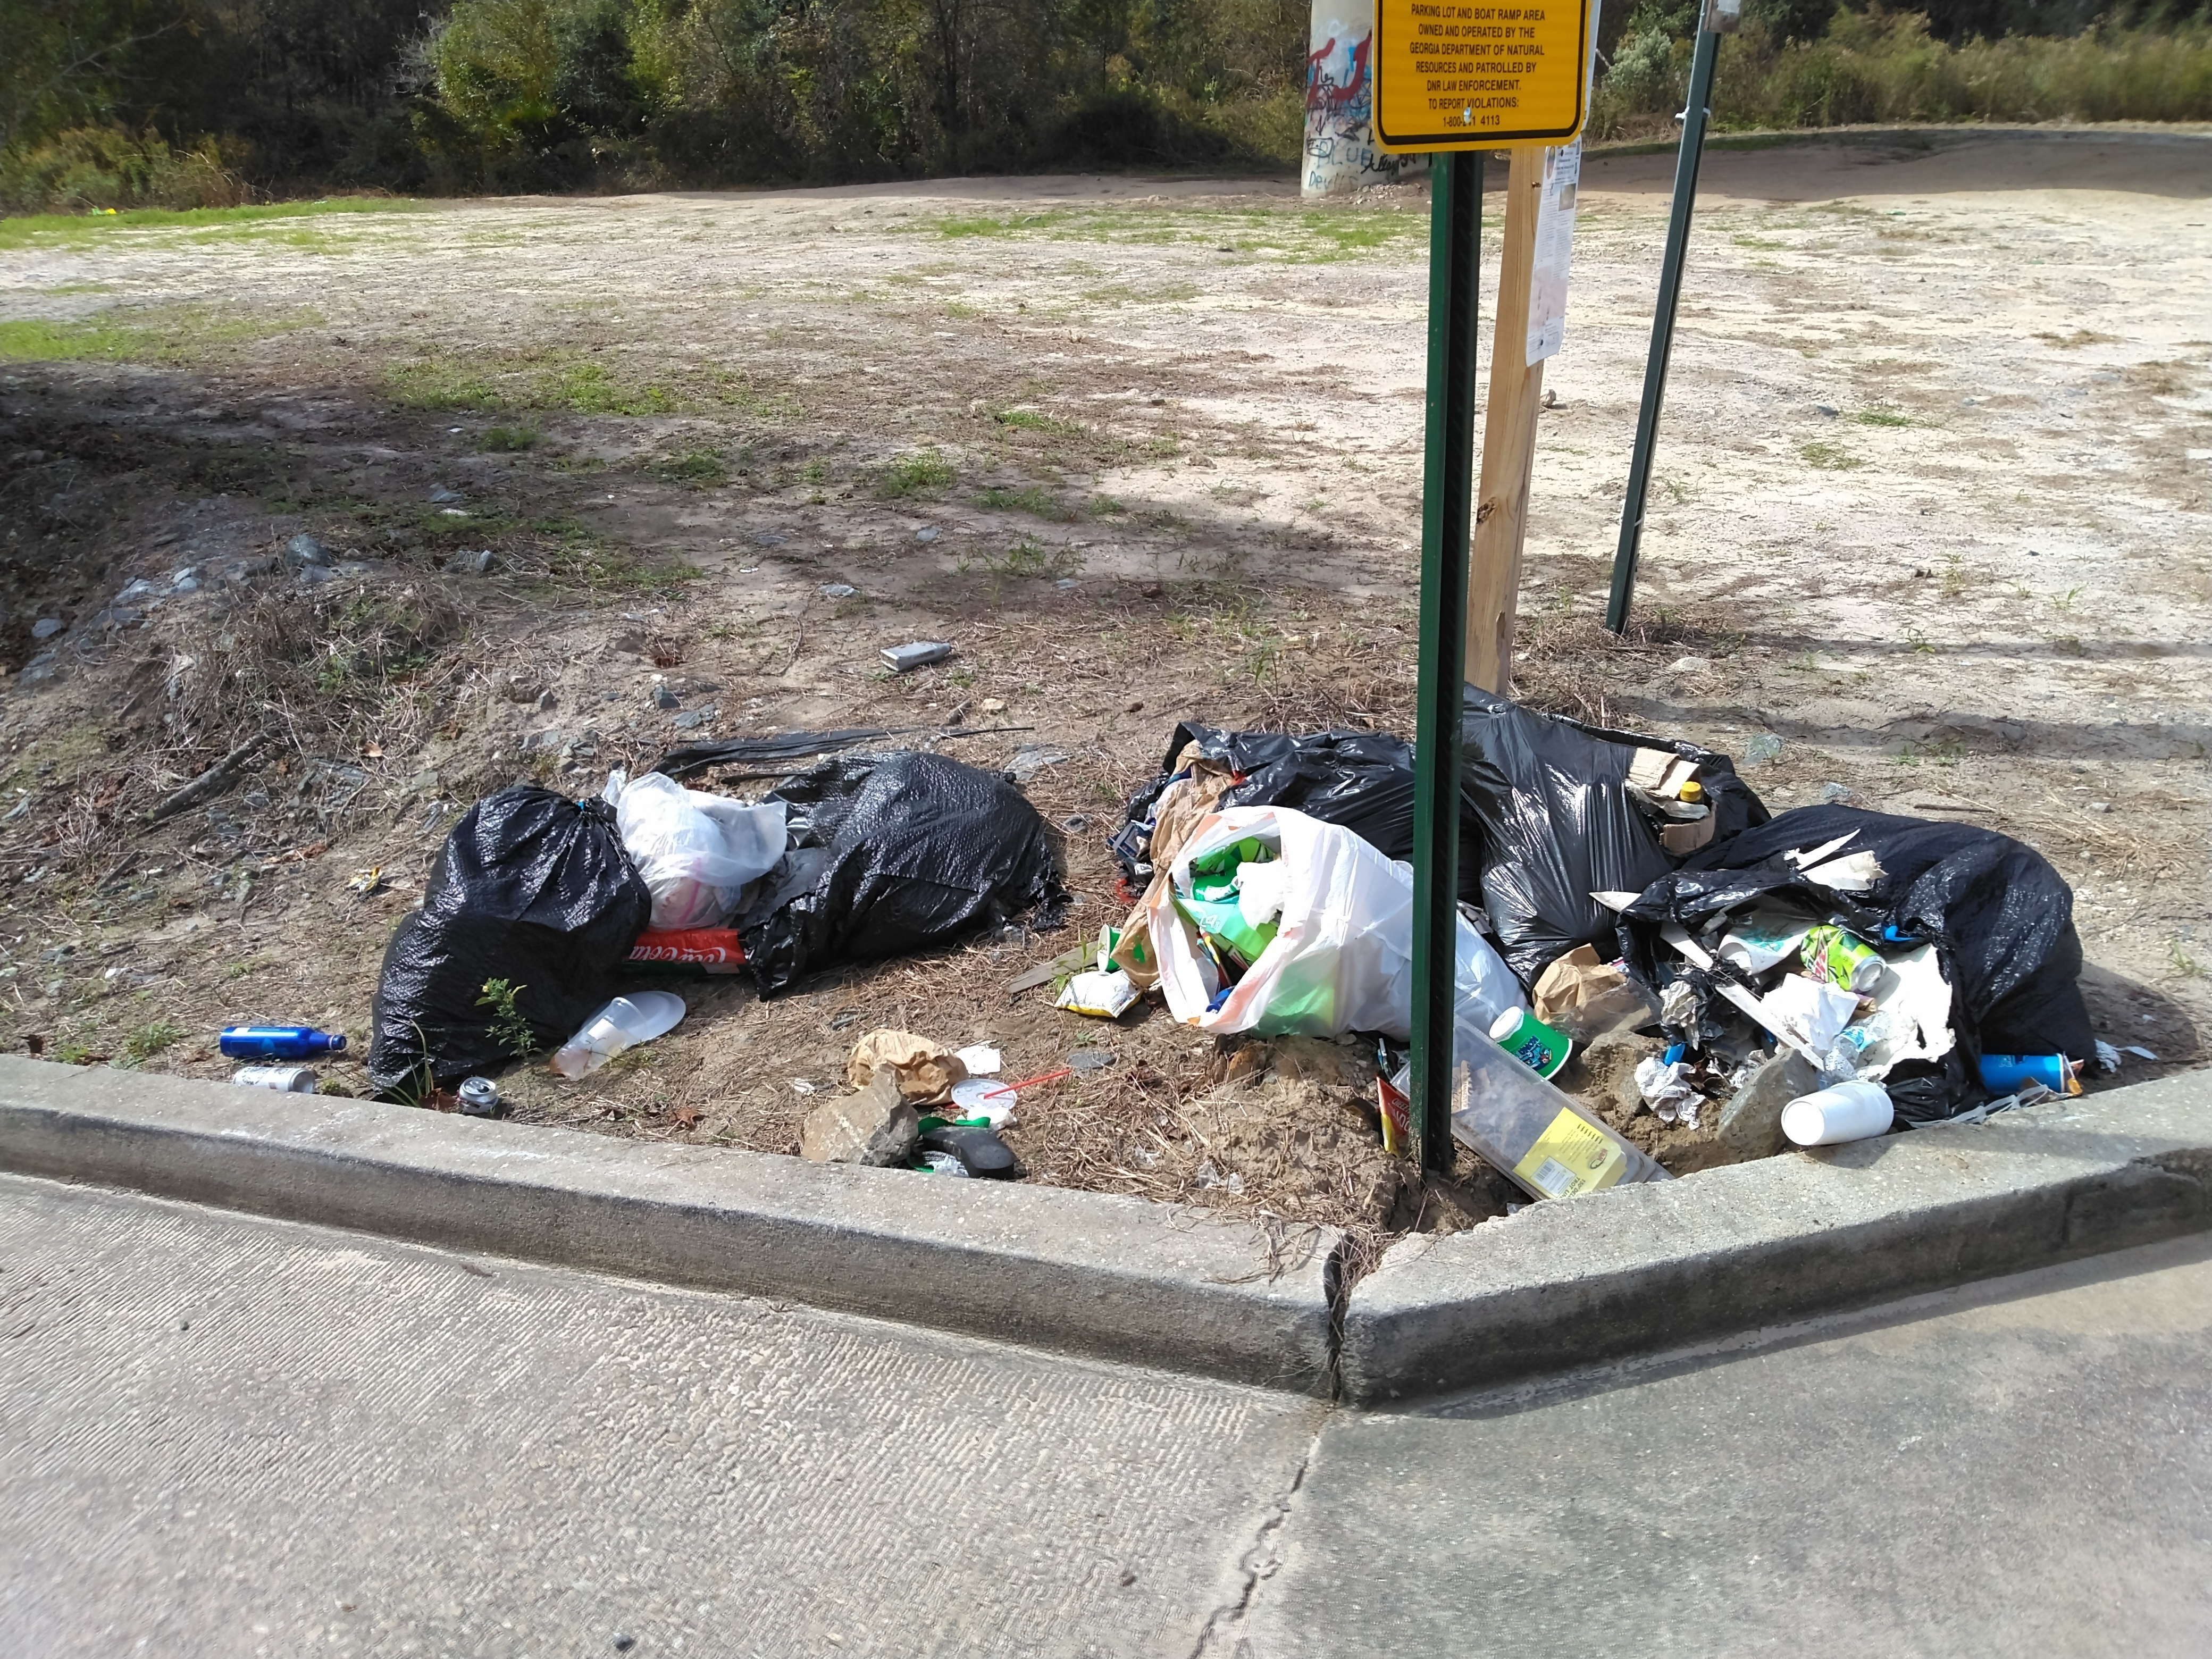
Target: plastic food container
{"x": 1551, "y": 1146}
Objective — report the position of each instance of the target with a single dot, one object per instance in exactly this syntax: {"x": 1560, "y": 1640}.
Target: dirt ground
{"x": 1934, "y": 507}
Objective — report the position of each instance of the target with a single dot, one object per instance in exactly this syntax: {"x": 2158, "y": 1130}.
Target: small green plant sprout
{"x": 509, "y": 1025}
{"x": 2184, "y": 966}
{"x": 1831, "y": 457}
{"x": 923, "y": 473}
{"x": 148, "y": 1040}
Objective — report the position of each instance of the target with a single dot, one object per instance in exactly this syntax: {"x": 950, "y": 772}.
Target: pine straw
{"x": 327, "y": 673}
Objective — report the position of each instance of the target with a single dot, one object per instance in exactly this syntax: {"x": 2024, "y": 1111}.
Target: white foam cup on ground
{"x": 1828, "y": 1117}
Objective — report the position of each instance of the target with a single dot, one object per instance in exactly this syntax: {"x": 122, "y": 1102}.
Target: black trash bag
{"x": 1557, "y": 825}
{"x": 2001, "y": 918}
{"x": 891, "y": 853}
{"x": 1361, "y": 780}
{"x": 532, "y": 888}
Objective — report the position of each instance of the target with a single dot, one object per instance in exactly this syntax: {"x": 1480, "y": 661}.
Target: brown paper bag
{"x": 1586, "y": 997}
{"x": 926, "y": 1070}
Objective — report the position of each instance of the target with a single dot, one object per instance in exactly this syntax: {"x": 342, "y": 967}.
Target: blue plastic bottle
{"x": 280, "y": 1042}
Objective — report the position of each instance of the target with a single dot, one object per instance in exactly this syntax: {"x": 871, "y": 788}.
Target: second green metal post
{"x": 1662, "y": 327}
{"x": 1447, "y": 502}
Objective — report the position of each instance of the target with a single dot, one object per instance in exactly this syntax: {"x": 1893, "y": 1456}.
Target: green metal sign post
{"x": 1447, "y": 502}
{"x": 1662, "y": 316}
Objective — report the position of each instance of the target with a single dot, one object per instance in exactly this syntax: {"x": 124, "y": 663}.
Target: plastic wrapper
{"x": 1550, "y": 1146}
{"x": 1101, "y": 993}
{"x": 1340, "y": 959}
{"x": 530, "y": 888}
{"x": 1559, "y": 824}
{"x": 1999, "y": 918}
{"x": 696, "y": 852}
{"x": 891, "y": 853}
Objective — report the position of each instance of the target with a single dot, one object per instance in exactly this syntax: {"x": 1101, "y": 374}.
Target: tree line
{"x": 111, "y": 103}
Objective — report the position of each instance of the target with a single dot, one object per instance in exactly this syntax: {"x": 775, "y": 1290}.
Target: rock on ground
{"x": 872, "y": 1126}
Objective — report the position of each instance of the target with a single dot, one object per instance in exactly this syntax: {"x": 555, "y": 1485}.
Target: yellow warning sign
{"x": 1453, "y": 76}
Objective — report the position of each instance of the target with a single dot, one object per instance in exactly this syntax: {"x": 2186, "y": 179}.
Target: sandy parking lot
{"x": 1934, "y": 506}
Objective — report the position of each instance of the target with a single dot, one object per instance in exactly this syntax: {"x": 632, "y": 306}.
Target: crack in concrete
{"x": 1219, "y": 1638}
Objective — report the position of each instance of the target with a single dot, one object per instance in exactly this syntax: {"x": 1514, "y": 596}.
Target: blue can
{"x": 2007, "y": 1074}
{"x": 280, "y": 1042}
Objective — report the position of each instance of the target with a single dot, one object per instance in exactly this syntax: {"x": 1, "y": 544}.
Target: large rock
{"x": 872, "y": 1126}
{"x": 1751, "y": 1123}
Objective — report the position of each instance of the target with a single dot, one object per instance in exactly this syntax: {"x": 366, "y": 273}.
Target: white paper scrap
{"x": 981, "y": 1060}
{"x": 1555, "y": 235}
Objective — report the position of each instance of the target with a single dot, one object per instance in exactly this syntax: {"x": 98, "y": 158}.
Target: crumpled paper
{"x": 1666, "y": 1089}
{"x": 926, "y": 1070}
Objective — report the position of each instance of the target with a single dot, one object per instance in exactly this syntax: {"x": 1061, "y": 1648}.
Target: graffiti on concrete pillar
{"x": 1341, "y": 149}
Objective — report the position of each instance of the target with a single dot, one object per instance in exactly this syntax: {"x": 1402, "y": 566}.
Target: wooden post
{"x": 1508, "y": 441}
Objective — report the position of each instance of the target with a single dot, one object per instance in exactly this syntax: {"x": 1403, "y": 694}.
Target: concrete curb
{"x": 1651, "y": 1267}
{"x": 1117, "y": 1278}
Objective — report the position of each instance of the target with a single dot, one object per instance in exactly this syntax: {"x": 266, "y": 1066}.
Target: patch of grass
{"x": 74, "y": 1052}
{"x": 1030, "y": 559}
{"x": 923, "y": 473}
{"x": 618, "y": 573}
{"x": 167, "y": 335}
{"x": 78, "y": 229}
{"x": 2184, "y": 966}
{"x": 2160, "y": 379}
{"x": 1030, "y": 499}
{"x": 1294, "y": 237}
{"x": 148, "y": 1040}
{"x": 508, "y": 440}
{"x": 1031, "y": 419}
{"x": 439, "y": 383}
{"x": 586, "y": 388}
{"x": 701, "y": 467}
{"x": 1882, "y": 417}
{"x": 1831, "y": 457}
{"x": 2078, "y": 339}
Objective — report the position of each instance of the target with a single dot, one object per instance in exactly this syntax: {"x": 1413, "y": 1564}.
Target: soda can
{"x": 479, "y": 1097}
{"x": 1833, "y": 957}
{"x": 288, "y": 1079}
{"x": 2004, "y": 1074}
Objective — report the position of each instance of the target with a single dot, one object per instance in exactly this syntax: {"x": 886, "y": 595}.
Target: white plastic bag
{"x": 1342, "y": 959}
{"x": 696, "y": 852}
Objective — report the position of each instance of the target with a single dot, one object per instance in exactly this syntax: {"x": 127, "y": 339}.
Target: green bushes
{"x": 650, "y": 91}
{"x": 106, "y": 103}
{"x": 1881, "y": 66}
{"x": 99, "y": 167}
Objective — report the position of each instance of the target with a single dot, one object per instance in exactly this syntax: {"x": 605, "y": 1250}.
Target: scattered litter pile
{"x": 1653, "y": 974}
{"x": 1706, "y": 979}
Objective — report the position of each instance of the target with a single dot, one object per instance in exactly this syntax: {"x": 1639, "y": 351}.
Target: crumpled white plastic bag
{"x": 1342, "y": 959}
{"x": 696, "y": 852}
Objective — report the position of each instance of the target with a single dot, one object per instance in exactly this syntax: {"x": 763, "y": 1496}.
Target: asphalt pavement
{"x": 221, "y": 1435}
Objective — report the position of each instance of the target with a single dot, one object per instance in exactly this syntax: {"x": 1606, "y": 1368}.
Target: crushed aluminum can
{"x": 479, "y": 1097}
{"x": 286, "y": 1079}
{"x": 902, "y": 658}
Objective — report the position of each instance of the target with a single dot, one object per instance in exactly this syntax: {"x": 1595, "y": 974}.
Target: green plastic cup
{"x": 1531, "y": 1041}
